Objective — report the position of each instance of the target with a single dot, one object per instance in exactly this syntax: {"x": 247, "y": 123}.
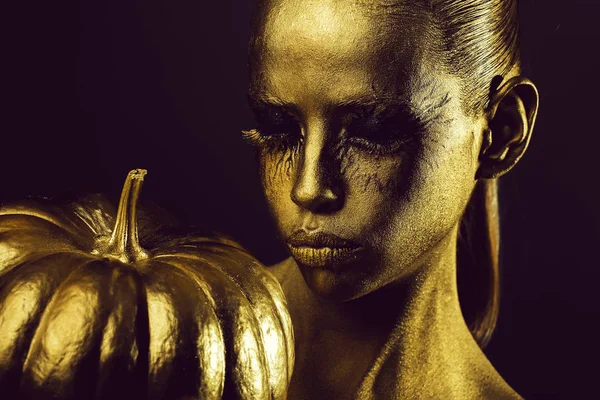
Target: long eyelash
{"x": 271, "y": 143}
{"x": 418, "y": 126}
{"x": 379, "y": 149}
{"x": 283, "y": 146}
{"x": 253, "y": 137}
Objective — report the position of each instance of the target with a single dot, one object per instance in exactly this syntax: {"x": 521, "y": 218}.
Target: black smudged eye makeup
{"x": 383, "y": 132}
{"x": 276, "y": 129}
{"x": 378, "y": 130}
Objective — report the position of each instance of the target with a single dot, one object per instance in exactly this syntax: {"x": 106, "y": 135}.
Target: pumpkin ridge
{"x": 200, "y": 306}
{"x": 122, "y": 345}
{"x": 105, "y": 301}
{"x": 41, "y": 325}
{"x": 5, "y": 274}
{"x": 8, "y": 210}
{"x": 280, "y": 303}
{"x": 201, "y": 284}
{"x": 27, "y": 322}
{"x": 260, "y": 343}
{"x": 18, "y": 242}
{"x": 209, "y": 273}
{"x": 142, "y": 339}
{"x": 203, "y": 287}
{"x": 236, "y": 280}
{"x": 151, "y": 276}
{"x": 98, "y": 221}
{"x": 173, "y": 246}
{"x": 257, "y": 272}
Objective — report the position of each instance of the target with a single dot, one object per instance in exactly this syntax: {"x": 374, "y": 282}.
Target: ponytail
{"x": 477, "y": 264}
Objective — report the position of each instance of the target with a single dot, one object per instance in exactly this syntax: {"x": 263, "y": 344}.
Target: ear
{"x": 511, "y": 115}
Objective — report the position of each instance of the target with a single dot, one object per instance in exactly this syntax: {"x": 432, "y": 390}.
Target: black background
{"x": 92, "y": 89}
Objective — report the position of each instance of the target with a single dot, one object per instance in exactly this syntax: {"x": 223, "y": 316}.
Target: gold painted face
{"x": 367, "y": 156}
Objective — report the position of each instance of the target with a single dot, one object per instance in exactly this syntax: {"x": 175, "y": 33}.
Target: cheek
{"x": 407, "y": 203}
{"x": 276, "y": 174}
{"x": 275, "y": 167}
{"x": 375, "y": 187}
{"x": 372, "y": 177}
{"x": 449, "y": 176}
{"x": 437, "y": 191}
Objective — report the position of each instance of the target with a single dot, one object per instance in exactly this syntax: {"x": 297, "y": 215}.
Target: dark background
{"x": 93, "y": 89}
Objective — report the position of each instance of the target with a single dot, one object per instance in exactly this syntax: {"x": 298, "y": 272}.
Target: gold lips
{"x": 322, "y": 257}
{"x": 318, "y": 239}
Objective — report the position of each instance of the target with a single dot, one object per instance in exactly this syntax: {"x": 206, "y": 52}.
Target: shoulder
{"x": 501, "y": 391}
{"x": 281, "y": 270}
{"x": 492, "y": 385}
{"x": 294, "y": 288}
{"x": 286, "y": 272}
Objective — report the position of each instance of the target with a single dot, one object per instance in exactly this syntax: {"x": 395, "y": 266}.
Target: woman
{"x": 381, "y": 129}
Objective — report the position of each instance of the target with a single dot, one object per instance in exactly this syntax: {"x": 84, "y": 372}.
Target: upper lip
{"x": 319, "y": 239}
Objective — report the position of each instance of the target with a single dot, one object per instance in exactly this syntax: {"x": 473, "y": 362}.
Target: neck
{"x": 424, "y": 303}
{"x": 428, "y": 344}
{"x": 387, "y": 337}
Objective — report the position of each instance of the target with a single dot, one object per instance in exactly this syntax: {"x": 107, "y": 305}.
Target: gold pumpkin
{"x": 87, "y": 313}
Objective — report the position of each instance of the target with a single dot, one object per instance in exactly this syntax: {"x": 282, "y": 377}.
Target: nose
{"x": 317, "y": 187}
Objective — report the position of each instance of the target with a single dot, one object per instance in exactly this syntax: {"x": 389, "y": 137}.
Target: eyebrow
{"x": 428, "y": 111}
{"x": 267, "y": 100}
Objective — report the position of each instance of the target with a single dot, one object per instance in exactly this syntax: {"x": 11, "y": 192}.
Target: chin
{"x": 334, "y": 285}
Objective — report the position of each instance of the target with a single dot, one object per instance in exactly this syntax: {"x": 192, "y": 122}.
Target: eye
{"x": 276, "y": 129}
{"x": 384, "y": 132}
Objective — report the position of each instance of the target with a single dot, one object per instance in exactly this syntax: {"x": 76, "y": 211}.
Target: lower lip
{"x": 323, "y": 257}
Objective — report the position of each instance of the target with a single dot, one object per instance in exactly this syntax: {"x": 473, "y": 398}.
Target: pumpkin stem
{"x": 124, "y": 244}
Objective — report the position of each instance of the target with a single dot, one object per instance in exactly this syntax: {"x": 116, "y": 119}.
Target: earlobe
{"x": 511, "y": 117}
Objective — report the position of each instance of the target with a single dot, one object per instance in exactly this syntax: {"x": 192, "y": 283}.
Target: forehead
{"x": 325, "y": 26}
{"x": 340, "y": 46}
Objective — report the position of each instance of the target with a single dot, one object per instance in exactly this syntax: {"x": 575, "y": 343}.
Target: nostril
{"x": 321, "y": 199}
